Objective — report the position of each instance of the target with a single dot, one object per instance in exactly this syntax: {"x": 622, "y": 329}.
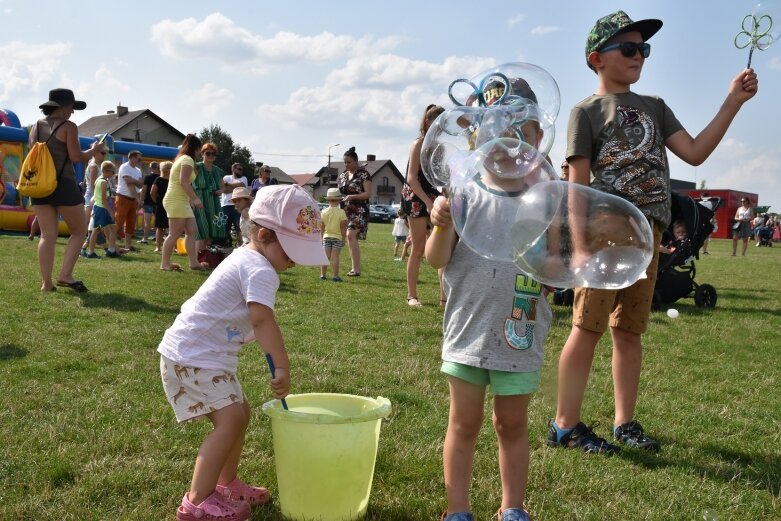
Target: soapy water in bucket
{"x": 562, "y": 234}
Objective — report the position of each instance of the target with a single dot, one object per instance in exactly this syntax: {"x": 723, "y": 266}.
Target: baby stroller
{"x": 676, "y": 271}
{"x": 764, "y": 236}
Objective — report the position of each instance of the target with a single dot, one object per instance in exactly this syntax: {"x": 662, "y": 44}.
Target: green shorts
{"x": 503, "y": 383}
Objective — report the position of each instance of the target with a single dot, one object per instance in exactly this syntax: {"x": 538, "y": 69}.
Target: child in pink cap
{"x": 199, "y": 352}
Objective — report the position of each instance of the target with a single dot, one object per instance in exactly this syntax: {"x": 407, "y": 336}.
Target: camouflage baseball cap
{"x": 617, "y": 23}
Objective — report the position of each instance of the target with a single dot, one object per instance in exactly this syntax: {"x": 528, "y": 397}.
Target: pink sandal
{"x": 213, "y": 508}
{"x": 237, "y": 490}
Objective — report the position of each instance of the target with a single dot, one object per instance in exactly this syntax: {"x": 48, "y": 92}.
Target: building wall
{"x": 386, "y": 186}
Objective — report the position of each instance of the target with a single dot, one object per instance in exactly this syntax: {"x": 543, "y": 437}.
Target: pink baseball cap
{"x": 295, "y": 217}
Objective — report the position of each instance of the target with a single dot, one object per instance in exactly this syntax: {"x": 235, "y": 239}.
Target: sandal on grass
{"x": 172, "y": 267}
{"x": 213, "y": 508}
{"x": 513, "y": 514}
{"x": 237, "y": 490}
{"x": 203, "y": 266}
{"x": 77, "y": 285}
{"x": 414, "y": 302}
{"x": 352, "y": 273}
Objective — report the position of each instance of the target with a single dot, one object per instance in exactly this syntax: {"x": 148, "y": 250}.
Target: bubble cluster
{"x": 507, "y": 201}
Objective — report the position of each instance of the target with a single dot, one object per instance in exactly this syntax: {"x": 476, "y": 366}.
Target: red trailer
{"x": 725, "y": 214}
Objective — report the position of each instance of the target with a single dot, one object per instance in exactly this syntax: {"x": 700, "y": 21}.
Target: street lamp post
{"x": 329, "y": 159}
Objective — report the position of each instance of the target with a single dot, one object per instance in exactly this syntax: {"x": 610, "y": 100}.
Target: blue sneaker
{"x": 93, "y": 255}
{"x": 580, "y": 437}
{"x": 513, "y": 514}
{"x": 632, "y": 435}
{"x": 458, "y": 516}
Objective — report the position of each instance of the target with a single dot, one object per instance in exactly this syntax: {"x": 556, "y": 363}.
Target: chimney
{"x": 121, "y": 111}
{"x": 371, "y": 157}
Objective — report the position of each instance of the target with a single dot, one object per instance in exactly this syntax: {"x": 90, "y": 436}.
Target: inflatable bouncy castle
{"x": 16, "y": 215}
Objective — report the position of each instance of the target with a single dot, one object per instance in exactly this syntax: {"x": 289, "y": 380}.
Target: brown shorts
{"x": 627, "y": 309}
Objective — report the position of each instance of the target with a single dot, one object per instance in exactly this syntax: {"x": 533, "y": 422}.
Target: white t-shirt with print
{"x": 214, "y": 323}
{"x": 225, "y": 198}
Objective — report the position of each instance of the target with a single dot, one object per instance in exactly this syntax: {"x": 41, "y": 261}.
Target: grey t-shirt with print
{"x": 623, "y": 137}
{"x": 496, "y": 316}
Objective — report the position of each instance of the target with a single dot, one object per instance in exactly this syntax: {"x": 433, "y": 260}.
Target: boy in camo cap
{"x": 619, "y": 139}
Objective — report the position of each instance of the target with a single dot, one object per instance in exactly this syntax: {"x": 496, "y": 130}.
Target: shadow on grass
{"x": 10, "y": 351}
{"x": 373, "y": 513}
{"x": 727, "y": 465}
{"x": 120, "y": 302}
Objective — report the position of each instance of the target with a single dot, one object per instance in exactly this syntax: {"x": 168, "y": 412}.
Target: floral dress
{"x": 412, "y": 205}
{"x": 209, "y": 219}
{"x": 357, "y": 211}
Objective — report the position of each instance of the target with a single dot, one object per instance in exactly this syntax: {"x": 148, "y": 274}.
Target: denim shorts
{"x": 149, "y": 208}
{"x": 503, "y": 383}
{"x": 400, "y": 239}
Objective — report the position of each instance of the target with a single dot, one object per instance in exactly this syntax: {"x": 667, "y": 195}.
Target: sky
{"x": 289, "y": 80}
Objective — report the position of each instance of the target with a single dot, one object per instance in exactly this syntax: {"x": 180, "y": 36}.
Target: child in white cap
{"x": 199, "y": 352}
{"x": 241, "y": 199}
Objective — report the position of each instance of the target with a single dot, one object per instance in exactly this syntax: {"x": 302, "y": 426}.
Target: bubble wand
{"x": 273, "y": 371}
{"x": 755, "y": 32}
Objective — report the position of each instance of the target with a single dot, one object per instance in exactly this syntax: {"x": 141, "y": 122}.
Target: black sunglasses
{"x": 629, "y": 49}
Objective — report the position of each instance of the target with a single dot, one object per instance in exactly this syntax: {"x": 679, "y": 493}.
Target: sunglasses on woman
{"x": 629, "y": 49}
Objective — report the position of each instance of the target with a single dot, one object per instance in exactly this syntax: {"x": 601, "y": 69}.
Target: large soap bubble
{"x": 494, "y": 104}
{"x": 592, "y": 239}
{"x": 561, "y": 234}
{"x": 485, "y": 207}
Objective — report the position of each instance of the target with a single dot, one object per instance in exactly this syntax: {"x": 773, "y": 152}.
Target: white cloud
{"x": 516, "y": 19}
{"x": 373, "y": 94}
{"x": 775, "y": 63}
{"x": 737, "y": 165}
{"x": 209, "y": 99}
{"x": 8, "y": 10}
{"x": 26, "y": 66}
{"x": 218, "y": 37}
{"x": 542, "y": 30}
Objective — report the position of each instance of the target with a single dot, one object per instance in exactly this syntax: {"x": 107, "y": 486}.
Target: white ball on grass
{"x": 672, "y": 313}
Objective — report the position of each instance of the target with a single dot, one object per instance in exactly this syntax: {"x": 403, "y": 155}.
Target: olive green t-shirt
{"x": 623, "y": 136}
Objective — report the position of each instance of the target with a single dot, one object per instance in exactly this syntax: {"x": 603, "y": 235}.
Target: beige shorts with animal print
{"x": 194, "y": 392}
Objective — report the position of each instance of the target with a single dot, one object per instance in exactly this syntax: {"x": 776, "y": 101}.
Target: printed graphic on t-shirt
{"x": 234, "y": 334}
{"x": 631, "y": 160}
{"x": 519, "y": 326}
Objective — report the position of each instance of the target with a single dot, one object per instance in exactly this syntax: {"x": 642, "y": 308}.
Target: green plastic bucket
{"x": 325, "y": 447}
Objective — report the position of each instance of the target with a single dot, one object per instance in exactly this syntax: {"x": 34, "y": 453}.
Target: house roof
{"x": 371, "y": 166}
{"x": 304, "y": 179}
{"x": 281, "y": 176}
{"x": 112, "y": 123}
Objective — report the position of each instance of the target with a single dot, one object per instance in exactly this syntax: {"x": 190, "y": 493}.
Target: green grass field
{"x": 86, "y": 432}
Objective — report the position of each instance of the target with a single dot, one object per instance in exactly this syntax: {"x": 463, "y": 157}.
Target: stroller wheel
{"x": 705, "y": 296}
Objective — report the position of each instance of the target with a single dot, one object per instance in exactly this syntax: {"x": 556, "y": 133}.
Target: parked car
{"x": 390, "y": 210}
{"x": 377, "y": 214}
